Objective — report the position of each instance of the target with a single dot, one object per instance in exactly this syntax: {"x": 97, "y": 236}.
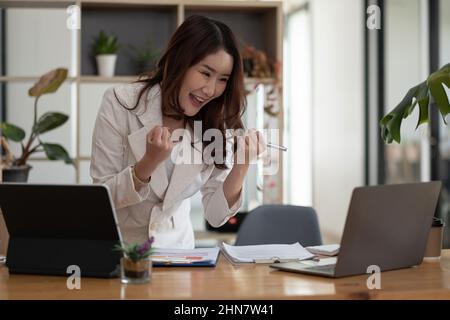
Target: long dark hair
{"x": 194, "y": 39}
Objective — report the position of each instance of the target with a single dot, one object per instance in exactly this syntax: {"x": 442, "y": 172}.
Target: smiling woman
{"x": 205, "y": 81}
{"x": 201, "y": 62}
{"x": 199, "y": 78}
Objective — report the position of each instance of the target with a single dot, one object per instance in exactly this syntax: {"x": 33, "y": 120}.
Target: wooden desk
{"x": 431, "y": 280}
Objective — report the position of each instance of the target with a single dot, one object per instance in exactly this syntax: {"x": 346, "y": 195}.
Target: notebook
{"x": 266, "y": 253}
{"x": 199, "y": 257}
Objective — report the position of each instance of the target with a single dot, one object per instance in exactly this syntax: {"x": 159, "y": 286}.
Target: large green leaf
{"x": 12, "y": 132}
{"x": 422, "y": 94}
{"x": 423, "y": 100}
{"x": 435, "y": 82}
{"x": 49, "y": 121}
{"x": 391, "y": 123}
{"x": 56, "y": 152}
{"x": 49, "y": 82}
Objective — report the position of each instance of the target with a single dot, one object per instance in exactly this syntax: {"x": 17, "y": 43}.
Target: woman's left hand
{"x": 250, "y": 145}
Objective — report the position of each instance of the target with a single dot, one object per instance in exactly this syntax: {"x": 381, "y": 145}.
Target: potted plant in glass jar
{"x": 136, "y": 264}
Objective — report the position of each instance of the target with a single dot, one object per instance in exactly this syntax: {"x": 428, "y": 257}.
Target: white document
{"x": 325, "y": 250}
{"x": 266, "y": 253}
{"x": 185, "y": 256}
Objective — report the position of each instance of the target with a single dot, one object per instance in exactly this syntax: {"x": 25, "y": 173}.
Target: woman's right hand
{"x": 158, "y": 147}
{"x": 159, "y": 144}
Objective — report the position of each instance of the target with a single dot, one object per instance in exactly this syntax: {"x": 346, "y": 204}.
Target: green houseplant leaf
{"x": 105, "y": 44}
{"x": 49, "y": 121}
{"x": 422, "y": 94}
{"x": 435, "y": 82}
{"x": 12, "y": 132}
{"x": 56, "y": 152}
{"x": 48, "y": 83}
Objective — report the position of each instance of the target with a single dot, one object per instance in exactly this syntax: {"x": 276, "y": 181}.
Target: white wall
{"x": 338, "y": 109}
{"x": 37, "y": 40}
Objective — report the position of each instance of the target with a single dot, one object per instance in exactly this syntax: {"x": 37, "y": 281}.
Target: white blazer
{"x": 162, "y": 207}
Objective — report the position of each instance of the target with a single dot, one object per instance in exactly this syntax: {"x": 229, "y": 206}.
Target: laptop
{"x": 52, "y": 227}
{"x": 386, "y": 226}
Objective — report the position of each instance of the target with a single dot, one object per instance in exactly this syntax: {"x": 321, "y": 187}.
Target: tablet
{"x": 53, "y": 227}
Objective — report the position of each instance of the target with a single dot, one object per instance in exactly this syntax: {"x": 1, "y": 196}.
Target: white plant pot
{"x": 106, "y": 64}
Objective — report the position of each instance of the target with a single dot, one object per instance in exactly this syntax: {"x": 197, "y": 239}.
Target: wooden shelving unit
{"x": 255, "y": 22}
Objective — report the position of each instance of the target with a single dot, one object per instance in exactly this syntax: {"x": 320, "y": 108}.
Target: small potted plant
{"x": 105, "y": 51}
{"x": 136, "y": 264}
{"x": 144, "y": 57}
{"x": 16, "y": 169}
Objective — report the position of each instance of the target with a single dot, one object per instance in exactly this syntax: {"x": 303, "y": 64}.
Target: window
{"x": 298, "y": 106}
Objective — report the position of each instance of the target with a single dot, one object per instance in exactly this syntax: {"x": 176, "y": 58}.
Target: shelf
{"x": 129, "y": 3}
{"x": 98, "y": 79}
{"x": 26, "y": 78}
{"x": 133, "y": 26}
{"x": 36, "y": 4}
{"x": 193, "y": 3}
{"x": 254, "y": 22}
{"x": 115, "y": 79}
{"x": 251, "y": 26}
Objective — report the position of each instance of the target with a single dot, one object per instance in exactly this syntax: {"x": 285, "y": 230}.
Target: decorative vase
{"x": 135, "y": 272}
{"x": 106, "y": 64}
{"x": 16, "y": 173}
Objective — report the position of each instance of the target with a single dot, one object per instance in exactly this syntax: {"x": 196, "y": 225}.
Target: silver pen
{"x": 269, "y": 145}
{"x": 276, "y": 146}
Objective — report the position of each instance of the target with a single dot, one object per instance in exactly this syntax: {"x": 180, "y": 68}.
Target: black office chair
{"x": 280, "y": 224}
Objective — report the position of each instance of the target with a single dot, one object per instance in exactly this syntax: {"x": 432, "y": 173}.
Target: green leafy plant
{"x": 48, "y": 83}
{"x": 135, "y": 251}
{"x": 424, "y": 94}
{"x": 105, "y": 44}
{"x": 145, "y": 56}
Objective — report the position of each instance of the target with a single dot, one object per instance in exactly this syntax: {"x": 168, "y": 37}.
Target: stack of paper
{"x": 266, "y": 253}
{"x": 185, "y": 257}
{"x": 324, "y": 250}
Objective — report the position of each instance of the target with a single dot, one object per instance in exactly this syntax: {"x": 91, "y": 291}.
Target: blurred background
{"x": 314, "y": 70}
